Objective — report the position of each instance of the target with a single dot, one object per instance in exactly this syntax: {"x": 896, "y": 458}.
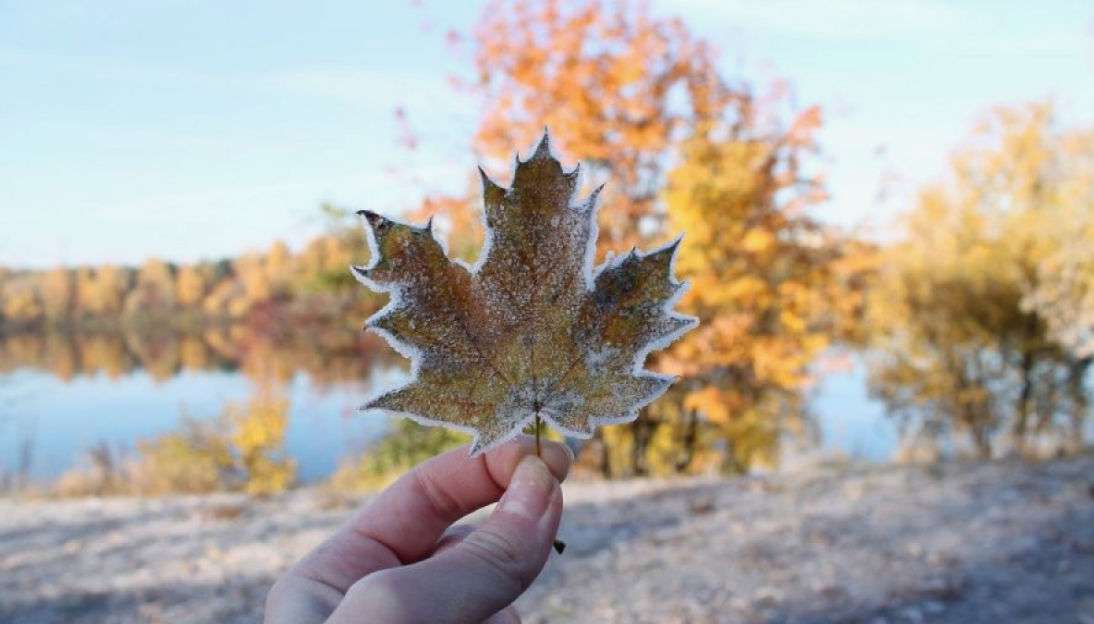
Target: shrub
{"x": 407, "y": 445}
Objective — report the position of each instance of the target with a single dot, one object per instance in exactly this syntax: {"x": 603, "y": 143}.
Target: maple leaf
{"x": 529, "y": 330}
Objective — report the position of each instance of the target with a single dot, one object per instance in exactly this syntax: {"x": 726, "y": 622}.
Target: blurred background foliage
{"x": 242, "y": 450}
{"x": 977, "y": 321}
{"x": 980, "y": 316}
{"x": 407, "y": 445}
{"x": 271, "y": 290}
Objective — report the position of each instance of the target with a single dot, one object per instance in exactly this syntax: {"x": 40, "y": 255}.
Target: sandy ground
{"x": 968, "y": 543}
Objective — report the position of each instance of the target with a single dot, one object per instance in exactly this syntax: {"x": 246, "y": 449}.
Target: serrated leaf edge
{"x": 589, "y": 272}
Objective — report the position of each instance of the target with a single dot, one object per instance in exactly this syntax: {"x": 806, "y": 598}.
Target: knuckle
{"x": 503, "y": 556}
{"x": 375, "y": 590}
{"x": 441, "y": 500}
{"x": 454, "y": 536}
{"x": 377, "y": 583}
{"x": 291, "y": 589}
{"x": 383, "y": 596}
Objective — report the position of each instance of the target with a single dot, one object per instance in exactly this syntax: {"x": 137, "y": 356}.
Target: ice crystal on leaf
{"x": 529, "y": 330}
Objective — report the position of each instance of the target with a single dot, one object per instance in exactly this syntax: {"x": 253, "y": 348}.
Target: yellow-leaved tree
{"x": 765, "y": 282}
{"x": 982, "y": 314}
{"x": 258, "y": 439}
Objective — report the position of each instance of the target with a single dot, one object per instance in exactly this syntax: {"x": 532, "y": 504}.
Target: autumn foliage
{"x": 642, "y": 104}
{"x": 306, "y": 286}
{"x": 974, "y": 320}
{"x": 981, "y": 315}
{"x": 242, "y": 450}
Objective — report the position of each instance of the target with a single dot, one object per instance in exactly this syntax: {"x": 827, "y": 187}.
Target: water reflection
{"x": 327, "y": 358}
{"x": 64, "y": 394}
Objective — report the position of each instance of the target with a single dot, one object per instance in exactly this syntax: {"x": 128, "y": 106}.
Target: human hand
{"x": 397, "y": 561}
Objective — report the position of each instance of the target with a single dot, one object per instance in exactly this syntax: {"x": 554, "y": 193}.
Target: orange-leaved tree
{"x": 617, "y": 88}
{"x": 632, "y": 96}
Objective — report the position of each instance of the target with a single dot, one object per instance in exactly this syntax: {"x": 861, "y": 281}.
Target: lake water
{"x": 61, "y": 397}
{"x": 61, "y": 420}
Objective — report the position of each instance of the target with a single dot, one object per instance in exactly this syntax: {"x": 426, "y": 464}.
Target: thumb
{"x": 481, "y": 575}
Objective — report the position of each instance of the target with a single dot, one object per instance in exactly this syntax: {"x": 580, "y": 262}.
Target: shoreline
{"x": 954, "y": 542}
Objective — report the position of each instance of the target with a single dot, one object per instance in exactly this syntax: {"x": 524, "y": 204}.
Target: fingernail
{"x": 529, "y": 490}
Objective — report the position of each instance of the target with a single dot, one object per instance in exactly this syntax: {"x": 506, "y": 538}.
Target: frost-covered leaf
{"x": 531, "y": 329}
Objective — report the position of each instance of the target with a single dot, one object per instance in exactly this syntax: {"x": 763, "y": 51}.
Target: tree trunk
{"x": 691, "y": 436}
{"x": 605, "y": 455}
{"x": 642, "y": 432}
{"x": 1080, "y": 402}
{"x": 1021, "y": 422}
{"x": 980, "y": 428}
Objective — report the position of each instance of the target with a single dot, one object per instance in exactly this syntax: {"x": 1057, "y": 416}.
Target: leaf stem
{"x": 558, "y": 544}
{"x": 539, "y": 423}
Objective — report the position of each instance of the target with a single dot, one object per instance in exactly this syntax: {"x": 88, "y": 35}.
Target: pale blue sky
{"x": 200, "y": 129}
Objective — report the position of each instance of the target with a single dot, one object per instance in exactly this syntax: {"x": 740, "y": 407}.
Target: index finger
{"x": 403, "y": 523}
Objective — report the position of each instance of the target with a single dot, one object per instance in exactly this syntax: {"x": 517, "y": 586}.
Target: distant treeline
{"x": 326, "y": 355}
{"x": 311, "y": 285}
